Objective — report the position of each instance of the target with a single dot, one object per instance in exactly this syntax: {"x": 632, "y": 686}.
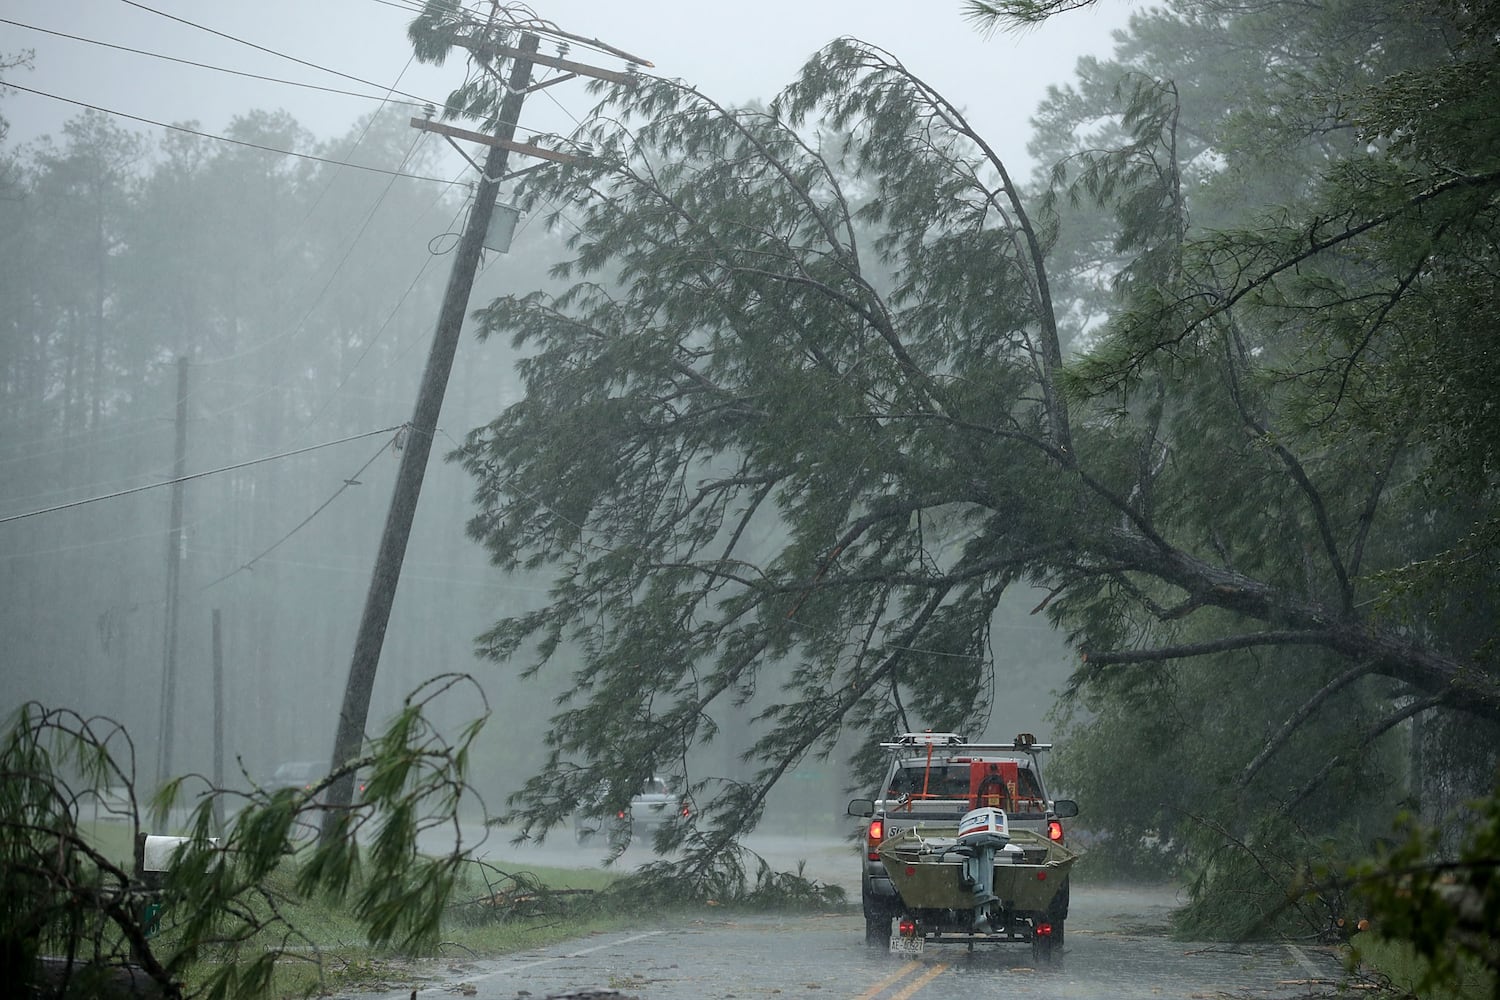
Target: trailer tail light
{"x": 1044, "y": 930}
{"x": 1055, "y": 830}
{"x": 873, "y": 837}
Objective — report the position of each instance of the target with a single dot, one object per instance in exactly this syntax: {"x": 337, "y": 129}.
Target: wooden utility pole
{"x": 349, "y": 738}
{"x": 174, "y": 586}
{"x": 218, "y": 654}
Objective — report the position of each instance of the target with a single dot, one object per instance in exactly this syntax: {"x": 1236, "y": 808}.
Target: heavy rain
{"x": 641, "y": 500}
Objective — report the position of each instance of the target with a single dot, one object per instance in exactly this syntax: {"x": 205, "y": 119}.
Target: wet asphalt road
{"x": 825, "y": 957}
{"x": 1117, "y": 948}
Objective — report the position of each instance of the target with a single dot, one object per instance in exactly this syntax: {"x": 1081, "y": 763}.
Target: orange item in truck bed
{"x": 994, "y": 784}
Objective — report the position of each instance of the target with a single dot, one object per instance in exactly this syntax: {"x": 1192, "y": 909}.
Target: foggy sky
{"x": 280, "y": 703}
{"x": 732, "y": 52}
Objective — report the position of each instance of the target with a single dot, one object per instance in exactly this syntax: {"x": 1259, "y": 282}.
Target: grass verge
{"x": 1395, "y": 963}
{"x": 495, "y": 908}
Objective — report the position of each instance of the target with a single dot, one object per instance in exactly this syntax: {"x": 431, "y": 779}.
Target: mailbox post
{"x": 153, "y": 859}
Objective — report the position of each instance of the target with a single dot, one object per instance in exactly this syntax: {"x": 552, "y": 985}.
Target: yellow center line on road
{"x": 921, "y": 981}
{"x": 888, "y": 980}
{"x": 901, "y": 973}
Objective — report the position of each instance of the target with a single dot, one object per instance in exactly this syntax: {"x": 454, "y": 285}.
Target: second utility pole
{"x": 382, "y": 594}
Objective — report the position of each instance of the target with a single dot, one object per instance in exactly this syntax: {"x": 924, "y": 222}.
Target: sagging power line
{"x": 411, "y": 100}
{"x": 197, "y": 475}
{"x": 226, "y": 139}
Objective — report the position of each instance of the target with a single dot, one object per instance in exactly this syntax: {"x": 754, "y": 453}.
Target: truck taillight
{"x": 873, "y": 837}
{"x": 1055, "y": 830}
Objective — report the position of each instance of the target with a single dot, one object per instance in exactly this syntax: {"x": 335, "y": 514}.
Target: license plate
{"x": 906, "y": 945}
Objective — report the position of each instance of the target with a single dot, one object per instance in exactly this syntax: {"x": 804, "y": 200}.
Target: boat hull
{"x": 928, "y": 875}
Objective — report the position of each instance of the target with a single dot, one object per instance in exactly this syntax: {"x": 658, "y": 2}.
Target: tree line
{"x": 300, "y": 293}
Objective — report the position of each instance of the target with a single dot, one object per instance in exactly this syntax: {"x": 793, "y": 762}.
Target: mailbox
{"x": 153, "y": 856}
{"x": 153, "y": 859}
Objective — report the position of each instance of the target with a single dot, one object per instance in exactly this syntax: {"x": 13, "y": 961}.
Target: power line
{"x": 348, "y": 482}
{"x": 409, "y": 6}
{"x": 349, "y": 250}
{"x": 261, "y": 48}
{"x": 390, "y": 316}
{"x": 531, "y": 21}
{"x": 200, "y": 475}
{"x": 221, "y": 138}
{"x": 332, "y": 276}
{"x": 416, "y": 103}
{"x": 374, "y": 339}
{"x": 347, "y": 253}
{"x": 369, "y": 124}
{"x": 88, "y": 438}
{"x": 154, "y": 534}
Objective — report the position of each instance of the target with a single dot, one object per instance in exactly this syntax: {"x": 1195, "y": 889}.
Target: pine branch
{"x": 1417, "y": 707}
{"x": 1303, "y": 713}
{"x": 1208, "y": 647}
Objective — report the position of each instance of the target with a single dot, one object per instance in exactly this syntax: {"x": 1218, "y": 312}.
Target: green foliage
{"x": 1394, "y": 967}
{"x": 42, "y": 850}
{"x": 1317, "y": 341}
{"x": 1017, "y": 13}
{"x": 1258, "y": 886}
{"x": 1444, "y": 906}
{"x": 733, "y": 877}
{"x": 224, "y": 902}
{"x": 709, "y": 380}
{"x": 443, "y": 25}
{"x": 805, "y": 415}
{"x": 432, "y": 31}
{"x": 1200, "y": 788}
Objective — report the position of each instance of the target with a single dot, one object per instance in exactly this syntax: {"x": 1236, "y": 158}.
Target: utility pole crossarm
{"x": 568, "y": 65}
{"x": 548, "y": 28}
{"x": 453, "y": 132}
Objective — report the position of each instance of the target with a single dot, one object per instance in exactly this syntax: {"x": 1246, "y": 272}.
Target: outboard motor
{"x": 981, "y": 833}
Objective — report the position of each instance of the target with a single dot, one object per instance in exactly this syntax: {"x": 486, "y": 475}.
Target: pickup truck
{"x": 651, "y": 808}
{"x": 932, "y": 781}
